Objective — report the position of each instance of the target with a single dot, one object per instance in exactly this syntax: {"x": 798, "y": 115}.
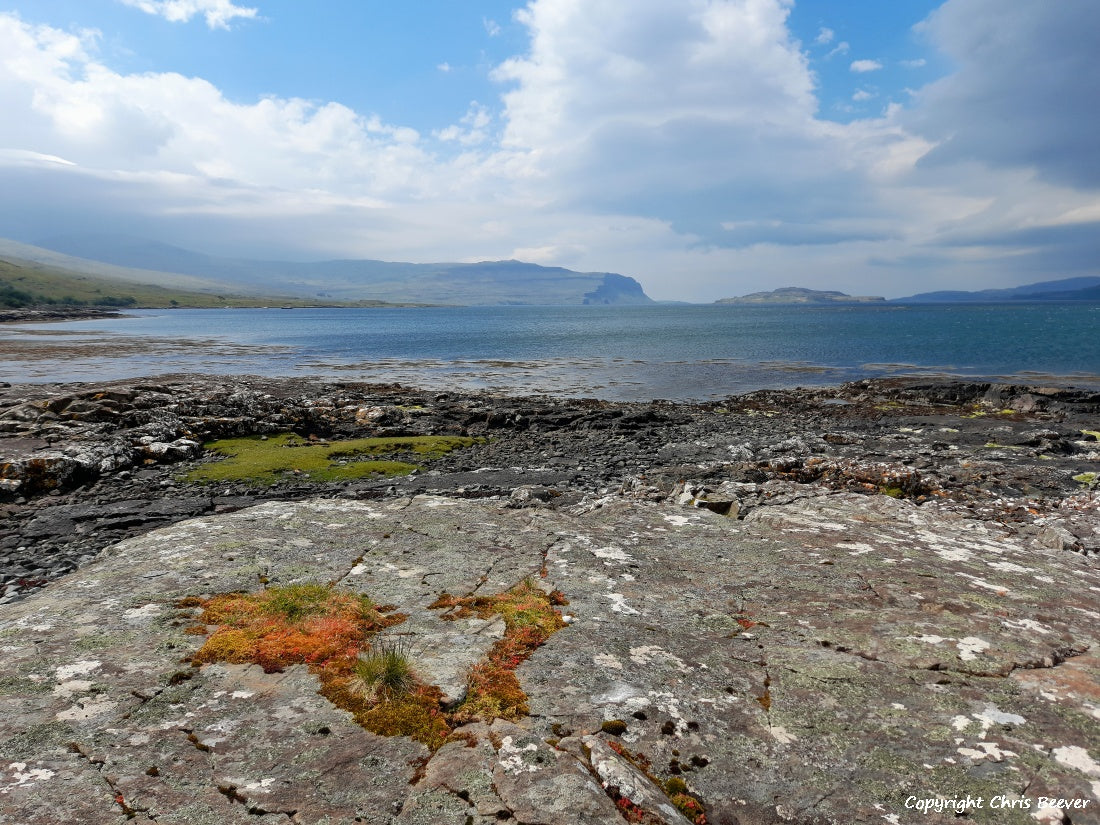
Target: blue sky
{"x": 706, "y": 147}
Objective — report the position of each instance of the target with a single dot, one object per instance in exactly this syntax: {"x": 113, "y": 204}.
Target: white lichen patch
{"x": 611, "y": 553}
{"x": 1025, "y": 624}
{"x": 955, "y": 554}
{"x": 512, "y": 757}
{"x": 86, "y": 709}
{"x": 782, "y": 735}
{"x": 645, "y": 654}
{"x": 975, "y": 581}
{"x": 669, "y": 704}
{"x": 971, "y": 647}
{"x": 143, "y": 613}
{"x": 69, "y": 689}
{"x": 1074, "y": 756}
{"x": 1009, "y": 567}
{"x": 677, "y": 521}
{"x": 606, "y": 660}
{"x": 404, "y": 572}
{"x": 21, "y": 776}
{"x": 66, "y": 672}
{"x": 992, "y": 715}
{"x": 986, "y": 750}
{"x": 263, "y": 786}
{"x": 619, "y": 605}
{"x": 856, "y": 548}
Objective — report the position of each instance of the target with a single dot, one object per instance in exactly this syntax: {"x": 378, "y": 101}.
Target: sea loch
{"x": 678, "y": 352}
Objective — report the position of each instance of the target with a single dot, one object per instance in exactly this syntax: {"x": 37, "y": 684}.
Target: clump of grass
{"x": 493, "y": 691}
{"x": 384, "y": 671}
{"x": 263, "y": 460}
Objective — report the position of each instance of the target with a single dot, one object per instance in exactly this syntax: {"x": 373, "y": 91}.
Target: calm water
{"x": 674, "y": 352}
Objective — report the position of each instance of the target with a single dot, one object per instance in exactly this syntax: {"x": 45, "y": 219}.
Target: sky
{"x": 708, "y": 148}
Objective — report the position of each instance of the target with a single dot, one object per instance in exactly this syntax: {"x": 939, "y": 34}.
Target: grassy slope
{"x": 52, "y": 284}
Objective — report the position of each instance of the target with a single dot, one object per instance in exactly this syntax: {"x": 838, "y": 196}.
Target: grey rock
{"x": 818, "y": 661}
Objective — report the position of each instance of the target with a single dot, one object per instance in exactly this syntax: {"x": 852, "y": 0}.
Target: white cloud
{"x": 862, "y": 66}
{"x": 861, "y": 95}
{"x": 471, "y": 129}
{"x": 492, "y": 27}
{"x": 824, "y": 36}
{"x": 681, "y": 145}
{"x": 218, "y": 13}
{"x": 920, "y": 62}
{"x": 840, "y": 48}
{"x": 444, "y": 67}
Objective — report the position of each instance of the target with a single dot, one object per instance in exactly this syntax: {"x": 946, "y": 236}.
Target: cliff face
{"x": 825, "y": 660}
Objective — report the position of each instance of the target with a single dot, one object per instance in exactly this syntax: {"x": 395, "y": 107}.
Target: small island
{"x": 800, "y": 295}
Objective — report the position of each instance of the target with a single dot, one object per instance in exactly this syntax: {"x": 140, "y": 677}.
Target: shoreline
{"x": 790, "y": 606}
{"x": 33, "y": 315}
{"x": 83, "y": 465}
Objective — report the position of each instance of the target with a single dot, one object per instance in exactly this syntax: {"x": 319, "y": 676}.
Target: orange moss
{"x": 327, "y": 630}
{"x": 297, "y": 624}
{"x": 493, "y": 690}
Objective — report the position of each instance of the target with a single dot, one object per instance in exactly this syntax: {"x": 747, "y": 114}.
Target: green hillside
{"x": 26, "y": 283}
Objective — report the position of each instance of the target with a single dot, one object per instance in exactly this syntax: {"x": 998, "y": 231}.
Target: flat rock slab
{"x": 834, "y": 659}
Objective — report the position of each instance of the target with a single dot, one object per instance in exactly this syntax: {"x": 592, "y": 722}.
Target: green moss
{"x": 20, "y": 686}
{"x": 893, "y": 492}
{"x": 268, "y": 460}
{"x": 616, "y": 727}
{"x": 1085, "y": 479}
{"x": 1091, "y": 433}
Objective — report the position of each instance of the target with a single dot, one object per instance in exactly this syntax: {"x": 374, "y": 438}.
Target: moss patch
{"x": 269, "y": 460}
{"x": 330, "y": 631}
{"x": 530, "y": 618}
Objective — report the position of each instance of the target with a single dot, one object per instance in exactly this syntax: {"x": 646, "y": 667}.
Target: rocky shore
{"x": 801, "y": 606}
{"x": 54, "y": 313}
{"x": 85, "y": 465}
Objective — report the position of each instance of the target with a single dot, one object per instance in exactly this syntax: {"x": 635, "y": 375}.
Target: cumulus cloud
{"x": 471, "y": 129}
{"x": 681, "y": 144}
{"x": 824, "y": 36}
{"x": 1024, "y": 91}
{"x": 861, "y": 66}
{"x": 218, "y": 13}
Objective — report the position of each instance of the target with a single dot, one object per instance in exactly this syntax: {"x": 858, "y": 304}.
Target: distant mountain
{"x": 798, "y": 295}
{"x": 1068, "y": 289}
{"x": 484, "y": 283}
{"x": 27, "y": 283}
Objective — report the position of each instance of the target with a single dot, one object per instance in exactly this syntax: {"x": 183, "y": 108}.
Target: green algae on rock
{"x": 268, "y": 460}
